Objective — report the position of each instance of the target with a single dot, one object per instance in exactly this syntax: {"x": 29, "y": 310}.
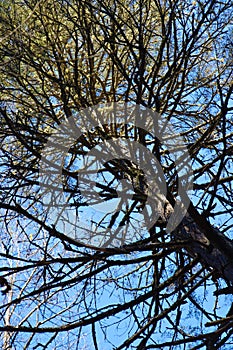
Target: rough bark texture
{"x": 214, "y": 251}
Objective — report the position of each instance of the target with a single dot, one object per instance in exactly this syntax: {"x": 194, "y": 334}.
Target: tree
{"x": 125, "y": 285}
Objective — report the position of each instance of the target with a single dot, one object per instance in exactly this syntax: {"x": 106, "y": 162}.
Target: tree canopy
{"x": 87, "y": 273}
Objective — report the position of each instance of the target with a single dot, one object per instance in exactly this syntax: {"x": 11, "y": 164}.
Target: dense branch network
{"x": 139, "y": 287}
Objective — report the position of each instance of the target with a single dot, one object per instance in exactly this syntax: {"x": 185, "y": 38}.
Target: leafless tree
{"x": 116, "y": 284}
